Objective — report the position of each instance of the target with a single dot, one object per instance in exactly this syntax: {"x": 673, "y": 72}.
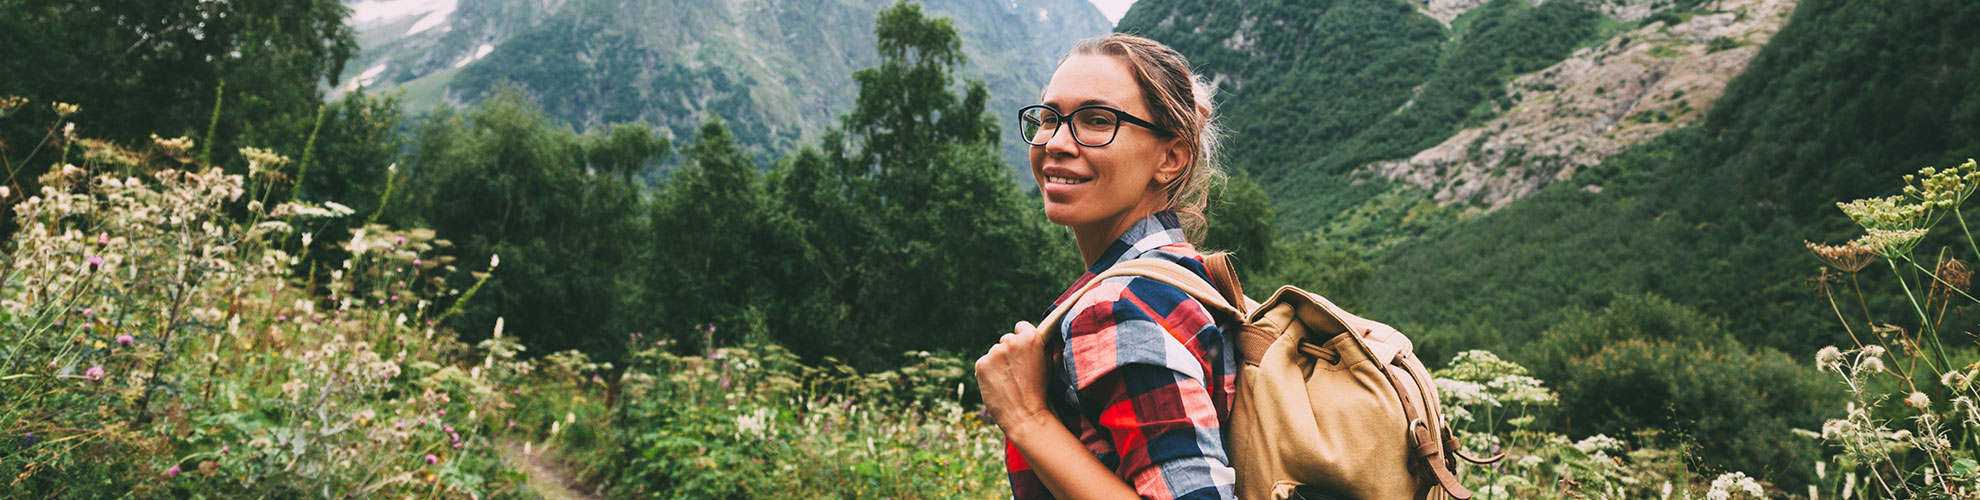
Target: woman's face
{"x": 1105, "y": 188}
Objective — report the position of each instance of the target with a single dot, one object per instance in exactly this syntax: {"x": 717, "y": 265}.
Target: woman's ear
{"x": 1175, "y": 156}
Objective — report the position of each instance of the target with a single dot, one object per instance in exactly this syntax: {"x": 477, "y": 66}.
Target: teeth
{"x": 1063, "y": 180}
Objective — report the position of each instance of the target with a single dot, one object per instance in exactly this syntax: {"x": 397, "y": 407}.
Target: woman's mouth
{"x": 1065, "y": 180}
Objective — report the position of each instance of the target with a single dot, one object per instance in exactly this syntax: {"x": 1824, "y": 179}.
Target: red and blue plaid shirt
{"x": 1145, "y": 376}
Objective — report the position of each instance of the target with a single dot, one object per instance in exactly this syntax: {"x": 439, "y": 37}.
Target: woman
{"x": 1131, "y": 400}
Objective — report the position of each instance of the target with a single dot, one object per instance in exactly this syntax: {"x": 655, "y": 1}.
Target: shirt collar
{"x": 1154, "y": 231}
{"x": 1163, "y": 229}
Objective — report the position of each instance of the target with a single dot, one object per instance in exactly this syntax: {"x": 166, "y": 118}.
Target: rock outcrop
{"x": 1595, "y": 104}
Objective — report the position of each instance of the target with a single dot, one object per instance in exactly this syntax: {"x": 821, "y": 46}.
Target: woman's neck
{"x": 1093, "y": 239}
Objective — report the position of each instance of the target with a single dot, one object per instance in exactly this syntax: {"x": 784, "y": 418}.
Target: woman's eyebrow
{"x": 1088, "y": 102}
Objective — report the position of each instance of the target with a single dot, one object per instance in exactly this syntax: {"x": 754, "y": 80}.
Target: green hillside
{"x": 1312, "y": 90}
{"x": 777, "y": 70}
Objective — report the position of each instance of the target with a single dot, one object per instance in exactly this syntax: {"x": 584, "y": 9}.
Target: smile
{"x": 1063, "y": 180}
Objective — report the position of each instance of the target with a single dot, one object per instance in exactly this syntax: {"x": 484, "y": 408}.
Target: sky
{"x": 1113, "y": 9}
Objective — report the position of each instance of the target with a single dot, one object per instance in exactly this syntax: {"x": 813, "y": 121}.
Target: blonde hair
{"x": 1178, "y": 100}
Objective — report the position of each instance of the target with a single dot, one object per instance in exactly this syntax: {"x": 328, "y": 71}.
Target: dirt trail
{"x": 545, "y": 477}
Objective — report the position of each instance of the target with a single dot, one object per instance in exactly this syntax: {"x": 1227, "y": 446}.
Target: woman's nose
{"x": 1062, "y": 143}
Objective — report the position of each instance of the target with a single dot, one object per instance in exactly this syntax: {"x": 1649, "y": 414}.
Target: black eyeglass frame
{"x": 1120, "y": 116}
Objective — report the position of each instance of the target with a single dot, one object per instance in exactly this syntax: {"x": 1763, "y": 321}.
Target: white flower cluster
{"x": 1599, "y": 443}
{"x": 1733, "y": 485}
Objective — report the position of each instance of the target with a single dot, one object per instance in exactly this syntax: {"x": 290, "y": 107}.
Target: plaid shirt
{"x": 1144, "y": 377}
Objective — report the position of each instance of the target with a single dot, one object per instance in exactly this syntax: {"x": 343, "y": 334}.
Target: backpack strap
{"x": 1159, "y": 270}
{"x": 1223, "y": 275}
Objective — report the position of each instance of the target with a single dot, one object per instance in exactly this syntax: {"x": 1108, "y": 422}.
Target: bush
{"x": 1645, "y": 363}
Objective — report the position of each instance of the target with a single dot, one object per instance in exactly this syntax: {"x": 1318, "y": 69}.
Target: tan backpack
{"x": 1328, "y": 404}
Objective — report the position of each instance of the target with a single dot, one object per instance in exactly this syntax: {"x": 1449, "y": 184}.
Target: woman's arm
{"x": 1012, "y": 378}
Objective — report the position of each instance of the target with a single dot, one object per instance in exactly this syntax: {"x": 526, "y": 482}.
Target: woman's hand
{"x": 1012, "y": 378}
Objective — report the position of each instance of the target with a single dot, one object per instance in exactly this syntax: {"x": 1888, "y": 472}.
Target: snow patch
{"x": 366, "y": 12}
{"x": 363, "y": 79}
{"x": 435, "y": 18}
{"x": 479, "y": 52}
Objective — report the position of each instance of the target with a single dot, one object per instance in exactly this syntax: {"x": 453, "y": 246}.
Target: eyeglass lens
{"x": 1092, "y": 127}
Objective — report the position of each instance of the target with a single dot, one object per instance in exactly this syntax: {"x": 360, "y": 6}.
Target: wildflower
{"x": 172, "y": 472}
{"x": 1952, "y": 275}
{"x": 260, "y": 160}
{"x": 1834, "y": 429}
{"x": 175, "y": 146}
{"x": 1734, "y": 482}
{"x": 498, "y": 327}
{"x": 95, "y": 262}
{"x": 4, "y": 192}
{"x": 430, "y": 459}
{"x": 1828, "y": 358}
{"x": 126, "y": 339}
{"x": 102, "y": 239}
{"x": 63, "y": 109}
{"x": 555, "y": 427}
{"x": 1870, "y": 366}
{"x": 1918, "y": 400}
{"x": 494, "y": 260}
{"x": 1874, "y": 350}
{"x": 94, "y": 373}
{"x": 570, "y": 418}
{"x": 1847, "y": 257}
{"x": 1890, "y": 243}
{"x": 1954, "y": 379}
{"x": 10, "y": 103}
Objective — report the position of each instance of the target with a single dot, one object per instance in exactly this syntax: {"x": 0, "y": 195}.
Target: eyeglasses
{"x": 1093, "y": 126}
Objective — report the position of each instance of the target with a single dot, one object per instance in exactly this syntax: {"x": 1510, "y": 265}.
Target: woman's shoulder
{"x": 1120, "y": 299}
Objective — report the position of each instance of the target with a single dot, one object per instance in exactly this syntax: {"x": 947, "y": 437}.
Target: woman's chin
{"x": 1063, "y": 214}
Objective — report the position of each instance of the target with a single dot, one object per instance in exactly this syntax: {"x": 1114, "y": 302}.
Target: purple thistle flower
{"x": 94, "y": 373}
{"x": 172, "y": 472}
{"x": 430, "y": 459}
{"x": 95, "y": 262}
{"x": 126, "y": 339}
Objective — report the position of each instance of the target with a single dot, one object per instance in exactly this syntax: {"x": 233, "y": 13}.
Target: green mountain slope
{"x": 778, "y": 70}
{"x": 1313, "y": 90}
{"x": 1847, "y": 97}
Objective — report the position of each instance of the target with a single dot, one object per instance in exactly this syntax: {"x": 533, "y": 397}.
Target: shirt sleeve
{"x": 1135, "y": 355}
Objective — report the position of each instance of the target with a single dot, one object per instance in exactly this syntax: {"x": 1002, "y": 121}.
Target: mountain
{"x": 777, "y": 70}
{"x": 1615, "y": 194}
{"x": 1355, "y": 113}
